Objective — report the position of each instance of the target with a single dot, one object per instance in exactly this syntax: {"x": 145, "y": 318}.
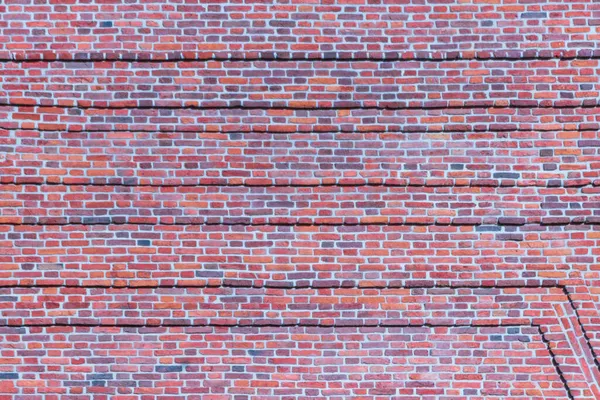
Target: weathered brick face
{"x": 244, "y": 200}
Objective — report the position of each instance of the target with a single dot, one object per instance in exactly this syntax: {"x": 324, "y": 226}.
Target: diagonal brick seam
{"x": 551, "y": 310}
{"x": 555, "y": 363}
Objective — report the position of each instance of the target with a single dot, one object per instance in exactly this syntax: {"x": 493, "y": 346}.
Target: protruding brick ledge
{"x": 588, "y": 51}
{"x": 281, "y": 205}
{"x": 469, "y": 158}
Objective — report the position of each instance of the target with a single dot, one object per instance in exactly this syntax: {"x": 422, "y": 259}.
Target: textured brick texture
{"x": 294, "y": 28}
{"x": 475, "y": 158}
{"x": 341, "y": 199}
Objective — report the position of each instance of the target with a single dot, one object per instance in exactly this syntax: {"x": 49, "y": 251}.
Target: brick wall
{"x": 243, "y": 200}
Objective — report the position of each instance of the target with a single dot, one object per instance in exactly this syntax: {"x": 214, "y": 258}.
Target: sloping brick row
{"x": 303, "y": 84}
{"x": 420, "y": 158}
{"x": 57, "y": 204}
{"x": 297, "y": 256}
{"x": 300, "y": 120}
{"x": 282, "y": 362}
{"x": 155, "y": 29}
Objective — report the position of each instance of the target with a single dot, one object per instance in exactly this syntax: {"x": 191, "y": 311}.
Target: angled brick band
{"x": 528, "y": 158}
{"x": 303, "y": 84}
{"x": 281, "y": 205}
{"x": 255, "y": 29}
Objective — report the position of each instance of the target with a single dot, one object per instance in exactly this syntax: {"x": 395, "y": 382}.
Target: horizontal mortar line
{"x": 387, "y": 130}
{"x": 572, "y": 222}
{"x": 502, "y": 182}
{"x": 321, "y": 108}
{"x": 116, "y": 57}
{"x": 271, "y": 286}
{"x": 265, "y": 325}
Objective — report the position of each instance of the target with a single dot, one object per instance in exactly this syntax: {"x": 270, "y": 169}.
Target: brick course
{"x": 299, "y": 255}
{"x": 498, "y": 119}
{"x": 289, "y": 205}
{"x": 303, "y": 84}
{"x": 254, "y": 29}
{"x": 316, "y": 158}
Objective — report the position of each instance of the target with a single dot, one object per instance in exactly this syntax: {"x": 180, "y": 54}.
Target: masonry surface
{"x": 341, "y": 199}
